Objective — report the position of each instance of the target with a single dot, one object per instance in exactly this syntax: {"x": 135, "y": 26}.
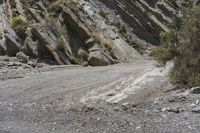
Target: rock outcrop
{"x": 147, "y": 18}
{"x": 57, "y": 30}
{"x": 96, "y": 58}
{"x": 12, "y": 44}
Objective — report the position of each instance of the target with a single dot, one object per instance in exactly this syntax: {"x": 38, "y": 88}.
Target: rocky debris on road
{"x": 178, "y": 98}
{"x": 21, "y": 61}
{"x": 174, "y": 109}
{"x": 196, "y": 110}
{"x": 195, "y": 90}
{"x": 61, "y": 109}
{"x": 85, "y": 64}
{"x": 178, "y": 101}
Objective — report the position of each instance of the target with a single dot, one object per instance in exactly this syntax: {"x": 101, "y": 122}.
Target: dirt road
{"x": 77, "y": 99}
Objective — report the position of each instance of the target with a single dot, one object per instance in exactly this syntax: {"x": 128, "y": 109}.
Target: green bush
{"x": 18, "y": 21}
{"x": 162, "y": 54}
{"x": 19, "y": 24}
{"x": 187, "y": 62}
{"x": 168, "y": 37}
{"x": 167, "y": 50}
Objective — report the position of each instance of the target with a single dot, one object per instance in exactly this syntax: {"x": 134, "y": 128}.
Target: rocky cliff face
{"x": 147, "y": 18}
{"x": 99, "y": 32}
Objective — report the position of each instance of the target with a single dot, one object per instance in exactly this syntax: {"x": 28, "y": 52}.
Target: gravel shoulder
{"x": 133, "y": 97}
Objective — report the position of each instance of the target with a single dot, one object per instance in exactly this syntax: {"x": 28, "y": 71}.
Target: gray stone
{"x": 2, "y": 46}
{"x": 195, "y": 90}
{"x": 30, "y": 47}
{"x": 90, "y": 42}
{"x": 12, "y": 46}
{"x": 179, "y": 98}
{"x": 22, "y": 57}
{"x": 33, "y": 63}
{"x": 96, "y": 47}
{"x": 96, "y": 58}
{"x": 174, "y": 110}
{"x": 73, "y": 21}
{"x": 48, "y": 39}
{"x": 163, "y": 110}
{"x": 110, "y": 94}
{"x": 85, "y": 64}
{"x": 125, "y": 106}
{"x": 116, "y": 109}
{"x": 196, "y": 110}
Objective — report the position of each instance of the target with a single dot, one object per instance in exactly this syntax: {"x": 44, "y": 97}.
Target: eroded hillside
{"x": 83, "y": 32}
{"x": 58, "y": 30}
{"x": 41, "y": 91}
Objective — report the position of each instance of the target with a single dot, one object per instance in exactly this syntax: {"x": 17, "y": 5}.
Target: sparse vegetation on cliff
{"x": 83, "y": 55}
{"x": 18, "y": 21}
{"x": 19, "y": 24}
{"x": 167, "y": 50}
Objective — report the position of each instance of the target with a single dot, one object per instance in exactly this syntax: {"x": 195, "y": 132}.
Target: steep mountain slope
{"x": 126, "y": 97}
{"x": 61, "y": 31}
{"x": 74, "y": 32}
{"x": 148, "y": 17}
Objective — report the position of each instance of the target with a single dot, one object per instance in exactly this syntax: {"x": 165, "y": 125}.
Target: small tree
{"x": 167, "y": 50}
{"x": 187, "y": 62}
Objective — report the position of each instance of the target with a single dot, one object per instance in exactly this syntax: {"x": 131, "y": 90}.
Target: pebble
{"x": 195, "y": 90}
{"x": 116, "y": 109}
{"x": 174, "y": 110}
{"x": 180, "y": 98}
{"x": 197, "y": 102}
{"x": 163, "y": 110}
{"x": 196, "y": 110}
{"x": 193, "y": 105}
{"x": 125, "y": 106}
{"x": 110, "y": 94}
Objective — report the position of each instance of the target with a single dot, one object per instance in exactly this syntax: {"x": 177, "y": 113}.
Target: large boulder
{"x": 96, "y": 58}
{"x": 124, "y": 52}
{"x": 98, "y": 48}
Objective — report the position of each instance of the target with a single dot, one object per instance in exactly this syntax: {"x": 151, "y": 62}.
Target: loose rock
{"x": 196, "y": 110}
{"x": 22, "y": 57}
{"x": 195, "y": 90}
{"x": 96, "y": 58}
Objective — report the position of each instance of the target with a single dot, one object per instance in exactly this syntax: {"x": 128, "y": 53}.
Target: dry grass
{"x": 83, "y": 54}
{"x": 106, "y": 43}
